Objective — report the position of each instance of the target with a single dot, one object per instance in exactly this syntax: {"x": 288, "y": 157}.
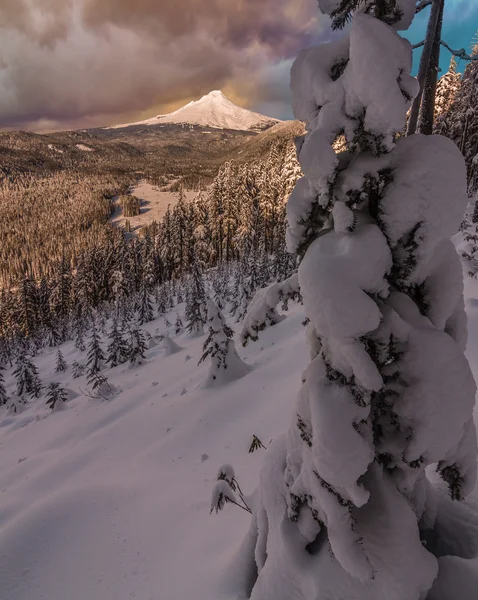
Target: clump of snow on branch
{"x": 262, "y": 312}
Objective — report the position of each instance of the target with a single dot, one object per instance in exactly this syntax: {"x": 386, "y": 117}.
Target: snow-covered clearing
{"x": 55, "y": 149}
{"x": 154, "y": 205}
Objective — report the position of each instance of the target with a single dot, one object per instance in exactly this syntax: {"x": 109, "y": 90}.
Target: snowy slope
{"x": 110, "y": 500}
{"x": 213, "y": 110}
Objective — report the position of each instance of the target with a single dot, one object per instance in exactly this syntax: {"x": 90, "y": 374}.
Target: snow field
{"x": 110, "y": 500}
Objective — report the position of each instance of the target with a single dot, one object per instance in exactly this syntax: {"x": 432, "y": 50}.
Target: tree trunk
{"x": 427, "y": 110}
{"x": 424, "y": 64}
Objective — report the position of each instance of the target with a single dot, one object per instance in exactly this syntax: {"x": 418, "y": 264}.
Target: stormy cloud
{"x": 80, "y": 63}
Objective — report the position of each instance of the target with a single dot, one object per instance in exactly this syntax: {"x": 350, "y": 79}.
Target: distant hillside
{"x": 169, "y": 151}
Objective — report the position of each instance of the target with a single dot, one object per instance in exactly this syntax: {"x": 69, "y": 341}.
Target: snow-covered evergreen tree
{"x": 178, "y": 325}
{"x": 145, "y": 305}
{"x": 344, "y": 504}
{"x": 226, "y": 365}
{"x": 27, "y": 378}
{"x": 117, "y": 351}
{"x": 447, "y": 88}
{"x": 195, "y": 303}
{"x": 136, "y": 346}
{"x": 95, "y": 359}
{"x": 56, "y": 396}
{"x": 61, "y": 364}
{"x": 77, "y": 369}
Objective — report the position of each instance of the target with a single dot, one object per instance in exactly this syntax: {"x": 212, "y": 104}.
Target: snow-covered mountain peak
{"x": 212, "y": 110}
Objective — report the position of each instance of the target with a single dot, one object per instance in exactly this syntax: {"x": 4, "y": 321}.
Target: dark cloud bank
{"x": 79, "y": 63}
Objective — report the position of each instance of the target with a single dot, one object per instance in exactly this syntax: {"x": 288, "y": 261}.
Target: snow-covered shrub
{"x": 226, "y": 365}
{"x": 344, "y": 501}
{"x": 56, "y": 396}
{"x": 227, "y": 490}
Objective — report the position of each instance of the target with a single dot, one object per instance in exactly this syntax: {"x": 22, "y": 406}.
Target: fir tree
{"x": 178, "y": 326}
{"x": 195, "y": 303}
{"x": 117, "y": 351}
{"x": 447, "y": 89}
{"x": 61, "y": 364}
{"x": 77, "y": 369}
{"x": 56, "y": 396}
{"x": 27, "y": 378}
{"x": 95, "y": 360}
{"x": 219, "y": 346}
{"x": 137, "y": 346}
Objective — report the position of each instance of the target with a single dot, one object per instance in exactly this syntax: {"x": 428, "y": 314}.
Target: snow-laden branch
{"x": 422, "y": 4}
{"x": 262, "y": 309}
{"x": 461, "y": 53}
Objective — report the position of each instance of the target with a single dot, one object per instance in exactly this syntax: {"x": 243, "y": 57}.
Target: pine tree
{"x": 95, "y": 360}
{"x": 195, "y": 303}
{"x": 28, "y": 307}
{"x": 344, "y": 501}
{"x": 77, "y": 369}
{"x": 219, "y": 346}
{"x": 27, "y": 378}
{"x": 145, "y": 305}
{"x": 137, "y": 346}
{"x": 56, "y": 396}
{"x": 178, "y": 326}
{"x": 117, "y": 351}
{"x": 447, "y": 89}
{"x": 61, "y": 364}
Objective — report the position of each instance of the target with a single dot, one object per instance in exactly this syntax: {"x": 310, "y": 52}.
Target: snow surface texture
{"x": 388, "y": 391}
{"x": 213, "y": 110}
{"x": 111, "y": 500}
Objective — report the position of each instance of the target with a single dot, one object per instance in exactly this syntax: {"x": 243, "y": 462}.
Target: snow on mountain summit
{"x": 212, "y": 110}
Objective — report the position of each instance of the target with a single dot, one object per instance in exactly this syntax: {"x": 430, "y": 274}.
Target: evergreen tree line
{"x": 238, "y": 225}
{"x": 112, "y": 334}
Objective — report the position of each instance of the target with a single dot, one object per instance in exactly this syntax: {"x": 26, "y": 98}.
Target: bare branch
{"x": 422, "y": 4}
{"x": 461, "y": 53}
{"x": 419, "y": 45}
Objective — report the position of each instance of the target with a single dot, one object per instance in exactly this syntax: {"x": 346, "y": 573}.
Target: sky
{"x": 69, "y": 64}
